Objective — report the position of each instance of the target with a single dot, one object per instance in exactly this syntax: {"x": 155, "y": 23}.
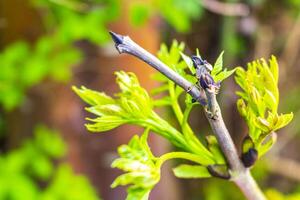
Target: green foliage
{"x": 258, "y": 102}
{"x": 133, "y": 105}
{"x": 79, "y": 20}
{"x": 142, "y": 171}
{"x": 217, "y": 73}
{"x": 23, "y": 66}
{"x": 52, "y": 56}
{"x": 191, "y": 171}
{"x": 23, "y": 169}
{"x": 178, "y": 13}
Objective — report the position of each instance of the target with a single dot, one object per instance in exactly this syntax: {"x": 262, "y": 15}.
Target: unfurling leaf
{"x": 142, "y": 173}
{"x": 217, "y": 73}
{"x": 104, "y": 123}
{"x": 188, "y": 61}
{"x": 133, "y": 104}
{"x": 259, "y": 101}
{"x": 218, "y": 66}
{"x": 92, "y": 97}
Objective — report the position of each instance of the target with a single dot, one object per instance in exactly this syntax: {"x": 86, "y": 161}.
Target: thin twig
{"x": 228, "y": 9}
{"x": 239, "y": 174}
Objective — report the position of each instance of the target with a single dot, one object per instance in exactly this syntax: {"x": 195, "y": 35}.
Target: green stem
{"x": 175, "y": 106}
{"x": 163, "y": 128}
{"x": 182, "y": 118}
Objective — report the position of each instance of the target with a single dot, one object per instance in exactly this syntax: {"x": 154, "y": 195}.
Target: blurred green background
{"x": 46, "y": 46}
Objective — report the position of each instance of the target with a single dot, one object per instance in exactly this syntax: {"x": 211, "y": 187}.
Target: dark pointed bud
{"x": 220, "y": 171}
{"x": 250, "y": 157}
{"x": 206, "y": 81}
{"x": 197, "y": 61}
{"x": 117, "y": 38}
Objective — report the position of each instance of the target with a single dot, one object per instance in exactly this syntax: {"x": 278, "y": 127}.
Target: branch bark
{"x": 239, "y": 174}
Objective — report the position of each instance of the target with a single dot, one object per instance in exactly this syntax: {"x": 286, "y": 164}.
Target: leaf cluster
{"x": 143, "y": 173}
{"x": 258, "y": 103}
{"x": 23, "y": 66}
{"x": 79, "y": 20}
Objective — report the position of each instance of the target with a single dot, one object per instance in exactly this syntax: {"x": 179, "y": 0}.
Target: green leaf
{"x": 105, "y": 123}
{"x": 259, "y": 100}
{"x": 217, "y": 73}
{"x": 198, "y": 52}
{"x": 223, "y": 75}
{"x": 270, "y": 101}
{"x": 241, "y": 106}
{"x": 266, "y": 143}
{"x": 283, "y": 120}
{"x": 274, "y": 67}
{"x": 137, "y": 194}
{"x": 191, "y": 171}
{"x": 188, "y": 62}
{"x": 263, "y": 124}
{"x": 142, "y": 173}
{"x": 92, "y": 97}
{"x": 218, "y": 65}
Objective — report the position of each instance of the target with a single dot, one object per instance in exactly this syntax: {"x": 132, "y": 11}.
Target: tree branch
{"x": 228, "y": 9}
{"x": 125, "y": 45}
{"x": 239, "y": 174}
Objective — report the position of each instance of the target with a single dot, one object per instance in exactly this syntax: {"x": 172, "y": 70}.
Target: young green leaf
{"x": 217, "y": 73}
{"x": 191, "y": 171}
{"x": 259, "y": 101}
{"x": 142, "y": 174}
{"x": 218, "y": 65}
{"x": 188, "y": 61}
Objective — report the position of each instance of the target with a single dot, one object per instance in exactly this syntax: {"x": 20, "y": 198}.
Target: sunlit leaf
{"x": 218, "y": 65}
{"x": 191, "y": 171}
